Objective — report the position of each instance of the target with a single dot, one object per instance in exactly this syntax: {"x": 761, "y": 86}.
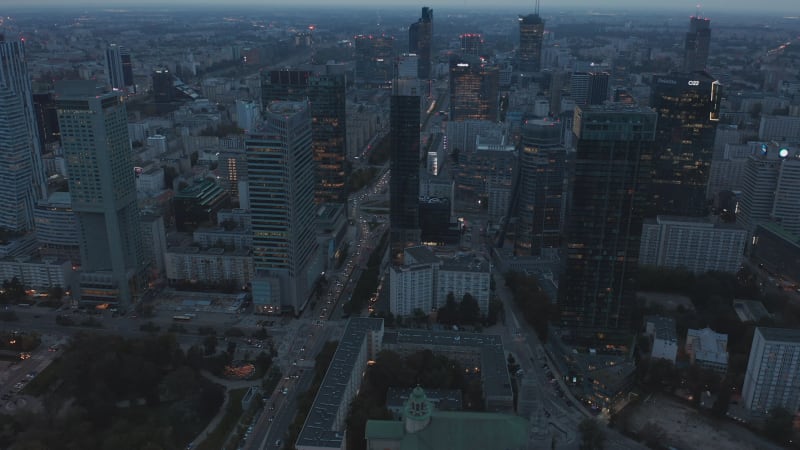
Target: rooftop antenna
{"x": 537, "y": 7}
{"x": 696, "y": 15}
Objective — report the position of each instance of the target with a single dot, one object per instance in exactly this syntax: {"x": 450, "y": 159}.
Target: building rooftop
{"x": 318, "y": 429}
{"x": 749, "y": 310}
{"x": 708, "y": 345}
{"x": 421, "y": 255}
{"x": 466, "y": 263}
{"x": 443, "y": 399}
{"x": 780, "y": 334}
{"x": 664, "y": 328}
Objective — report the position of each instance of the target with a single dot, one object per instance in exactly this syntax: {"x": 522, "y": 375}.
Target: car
{"x": 278, "y": 443}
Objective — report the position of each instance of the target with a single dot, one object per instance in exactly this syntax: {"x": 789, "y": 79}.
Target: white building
{"x": 773, "y": 371}
{"x": 698, "y": 244}
{"x": 211, "y": 265}
{"x": 708, "y": 349}
{"x": 661, "y": 331}
{"x": 38, "y": 274}
{"x": 424, "y": 281}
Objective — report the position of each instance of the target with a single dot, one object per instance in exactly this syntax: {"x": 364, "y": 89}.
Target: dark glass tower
{"x": 604, "y": 218}
{"x": 374, "y": 60}
{"x": 163, "y": 86}
{"x": 119, "y": 69}
{"x": 404, "y": 183}
{"x": 688, "y": 106}
{"x": 531, "y": 32}
{"x": 473, "y": 90}
{"x": 326, "y": 94}
{"x": 698, "y": 40}
{"x": 541, "y": 187}
{"x": 420, "y": 39}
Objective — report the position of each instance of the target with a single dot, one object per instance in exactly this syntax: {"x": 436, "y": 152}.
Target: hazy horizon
{"x": 708, "y": 7}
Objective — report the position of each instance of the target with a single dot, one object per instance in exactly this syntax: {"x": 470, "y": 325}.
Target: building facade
{"x": 94, "y": 135}
{"x": 772, "y": 378}
{"x": 697, "y": 43}
{"x": 119, "y": 69}
{"x": 531, "y": 34}
{"x": 694, "y": 243}
{"x": 473, "y": 90}
{"x": 420, "y": 42}
{"x": 404, "y": 157}
{"x": 708, "y": 349}
{"x": 281, "y": 186}
{"x": 604, "y": 218}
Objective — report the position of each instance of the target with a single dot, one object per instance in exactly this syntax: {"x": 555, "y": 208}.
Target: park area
{"x": 670, "y": 423}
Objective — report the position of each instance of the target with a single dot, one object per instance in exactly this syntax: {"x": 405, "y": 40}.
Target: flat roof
{"x": 780, "y": 334}
{"x": 318, "y": 429}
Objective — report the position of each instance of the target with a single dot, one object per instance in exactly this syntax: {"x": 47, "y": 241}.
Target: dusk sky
{"x": 708, "y": 6}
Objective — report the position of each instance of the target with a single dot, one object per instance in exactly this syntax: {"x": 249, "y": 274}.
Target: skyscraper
{"x": 604, "y": 218}
{"x": 541, "y": 187}
{"x": 420, "y": 41}
{"x": 698, "y": 40}
{"x": 531, "y": 33}
{"x": 163, "y": 86}
{"x": 589, "y": 88}
{"x": 94, "y": 135}
{"x": 22, "y": 176}
{"x": 374, "y": 60}
{"x": 688, "y": 109}
{"x": 404, "y": 160}
{"x": 473, "y": 90}
{"x": 280, "y": 178}
{"x": 328, "y": 102}
{"x": 119, "y": 69}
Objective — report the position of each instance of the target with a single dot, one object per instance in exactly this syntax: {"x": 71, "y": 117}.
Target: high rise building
{"x": 540, "y": 188}
{"x": 473, "y": 90}
{"x": 771, "y": 189}
{"x": 698, "y": 40}
{"x": 163, "y": 85}
{"x": 404, "y": 162}
{"x": 531, "y": 33}
{"x": 94, "y": 135}
{"x": 771, "y": 379}
{"x": 280, "y": 178}
{"x": 420, "y": 41}
{"x": 589, "y": 88}
{"x": 374, "y": 60}
{"x": 327, "y": 96}
{"x": 46, "y": 118}
{"x": 688, "y": 110}
{"x": 604, "y": 218}
{"x": 119, "y": 69}
{"x": 22, "y": 176}
{"x": 471, "y": 43}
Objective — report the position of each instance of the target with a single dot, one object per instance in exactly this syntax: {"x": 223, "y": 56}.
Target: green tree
{"x": 448, "y": 314}
{"x": 469, "y": 311}
{"x": 592, "y": 435}
{"x": 778, "y": 426}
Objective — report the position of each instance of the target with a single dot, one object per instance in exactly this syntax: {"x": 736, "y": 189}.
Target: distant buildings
{"x": 473, "y": 90}
{"x": 22, "y": 176}
{"x": 697, "y": 43}
{"x": 698, "y": 244}
{"x": 664, "y": 338}
{"x": 374, "y": 60}
{"x": 589, "y": 88}
{"x": 280, "y": 176}
{"x": 772, "y": 380}
{"x": 94, "y": 134}
{"x": 420, "y": 41}
{"x": 163, "y": 85}
{"x": 708, "y": 349}
{"x": 604, "y": 218}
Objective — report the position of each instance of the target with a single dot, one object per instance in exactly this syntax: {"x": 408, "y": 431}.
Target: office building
{"x": 471, "y": 43}
{"x": 770, "y": 189}
{"x": 473, "y": 90}
{"x": 46, "y": 118}
{"x": 698, "y": 244}
{"x": 374, "y": 60}
{"x": 663, "y": 337}
{"x": 119, "y": 69}
{"x": 540, "y": 188}
{"x": 777, "y": 249}
{"x": 22, "y": 176}
{"x": 326, "y": 94}
{"x": 589, "y": 88}
{"x": 39, "y": 274}
{"x": 163, "y": 85}
{"x": 280, "y": 178}
{"x": 210, "y": 265}
{"x": 407, "y": 66}
{"x": 780, "y": 128}
{"x": 698, "y": 40}
{"x": 708, "y": 349}
{"x": 420, "y": 41}
{"x": 94, "y": 135}
{"x": 604, "y": 218}
{"x": 688, "y": 110}
{"x": 772, "y": 378}
{"x": 404, "y": 162}
{"x": 197, "y": 205}
{"x": 531, "y": 34}
{"x": 57, "y": 227}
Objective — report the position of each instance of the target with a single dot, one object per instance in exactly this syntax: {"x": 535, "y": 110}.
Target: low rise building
{"x": 38, "y": 274}
{"x": 664, "y": 338}
{"x": 708, "y": 349}
{"x": 211, "y": 265}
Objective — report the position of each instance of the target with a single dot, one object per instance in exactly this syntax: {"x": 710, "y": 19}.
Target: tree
{"x": 778, "y": 426}
{"x": 419, "y": 316}
{"x": 448, "y": 314}
{"x": 469, "y": 311}
{"x": 592, "y": 436}
{"x": 210, "y": 344}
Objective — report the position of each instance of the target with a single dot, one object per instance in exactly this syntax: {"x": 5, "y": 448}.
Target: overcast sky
{"x": 708, "y": 6}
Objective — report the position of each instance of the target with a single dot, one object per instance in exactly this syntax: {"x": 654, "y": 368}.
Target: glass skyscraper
{"x": 531, "y": 33}
{"x": 94, "y": 135}
{"x": 473, "y": 90}
{"x": 604, "y": 218}
{"x": 404, "y": 163}
{"x": 696, "y": 46}
{"x": 22, "y": 176}
{"x": 280, "y": 176}
{"x": 119, "y": 69}
{"x": 420, "y": 41}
